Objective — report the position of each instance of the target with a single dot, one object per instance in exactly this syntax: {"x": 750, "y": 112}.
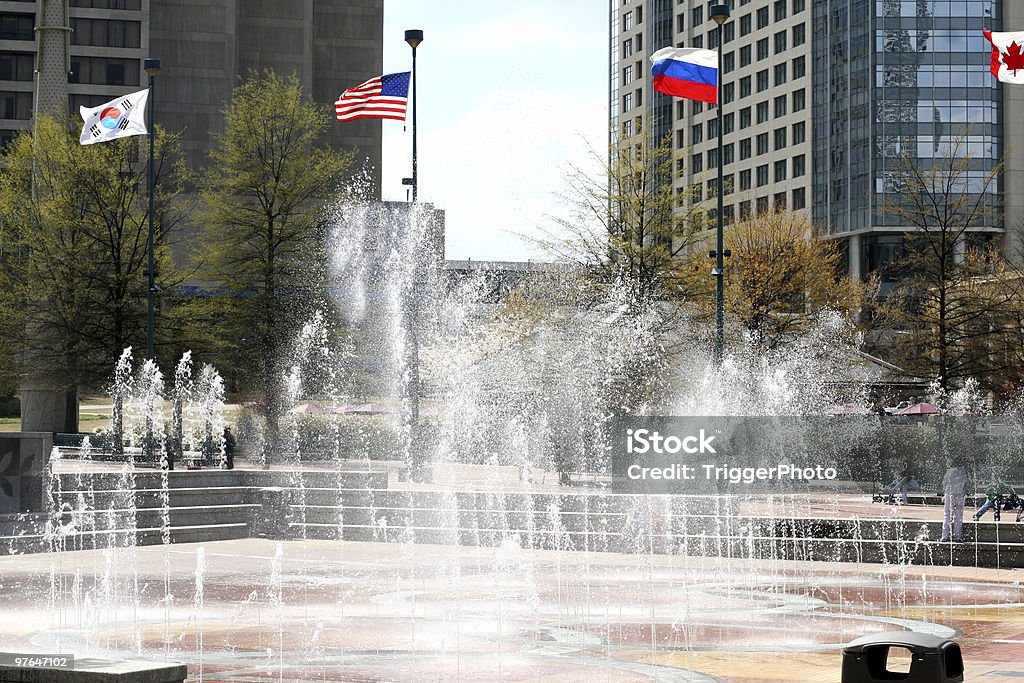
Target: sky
{"x": 510, "y": 95}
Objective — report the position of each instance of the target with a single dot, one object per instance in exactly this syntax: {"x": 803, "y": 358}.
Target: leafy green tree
{"x": 73, "y": 248}
{"x": 625, "y": 225}
{"x": 265, "y": 199}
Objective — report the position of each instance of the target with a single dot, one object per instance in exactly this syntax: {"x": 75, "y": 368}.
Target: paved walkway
{"x": 258, "y": 610}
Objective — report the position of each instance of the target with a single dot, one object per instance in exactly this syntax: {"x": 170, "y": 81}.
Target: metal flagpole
{"x": 414, "y": 37}
{"x": 720, "y": 14}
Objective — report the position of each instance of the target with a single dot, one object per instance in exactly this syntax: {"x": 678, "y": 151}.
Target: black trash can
{"x": 932, "y": 659}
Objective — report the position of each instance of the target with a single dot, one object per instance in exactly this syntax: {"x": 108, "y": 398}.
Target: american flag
{"x": 383, "y": 97}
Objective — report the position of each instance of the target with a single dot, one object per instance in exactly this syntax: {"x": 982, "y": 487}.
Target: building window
{"x": 799, "y": 165}
{"x": 780, "y": 138}
{"x": 640, "y": 15}
{"x": 745, "y": 24}
{"x": 780, "y": 10}
{"x": 639, "y": 42}
{"x": 16, "y": 66}
{"x": 713, "y": 39}
{"x": 799, "y": 34}
{"x": 728, "y": 123}
{"x": 799, "y": 67}
{"x": 799, "y": 133}
{"x": 698, "y": 41}
{"x": 627, "y": 21}
{"x": 17, "y": 26}
{"x": 762, "y": 202}
{"x": 762, "y": 80}
{"x": 15, "y": 105}
{"x": 762, "y": 175}
{"x": 762, "y": 143}
{"x": 108, "y": 4}
{"x": 680, "y": 23}
{"x": 680, "y": 109}
{"x": 680, "y": 141}
{"x": 728, "y": 153}
{"x": 729, "y": 31}
{"x": 627, "y": 74}
{"x": 712, "y": 159}
{"x": 696, "y": 163}
{"x": 729, "y": 61}
{"x": 696, "y": 107}
{"x": 799, "y": 199}
{"x": 639, "y": 95}
{"x": 712, "y": 129}
{"x": 745, "y": 118}
{"x": 798, "y": 6}
{"x": 745, "y": 87}
{"x": 697, "y": 16}
{"x": 780, "y": 73}
{"x": 696, "y": 134}
{"x": 627, "y": 128}
{"x": 627, "y": 101}
{"x": 712, "y": 186}
{"x": 728, "y": 93}
{"x": 744, "y": 149}
{"x": 762, "y": 18}
{"x": 696, "y": 193}
{"x": 780, "y": 198}
{"x": 104, "y": 71}
{"x": 780, "y": 106}
{"x": 745, "y": 210}
{"x": 762, "y": 111}
{"x": 111, "y": 32}
{"x": 762, "y": 49}
{"x": 627, "y": 47}
{"x": 799, "y": 100}
{"x": 744, "y": 180}
{"x": 780, "y": 170}
{"x": 780, "y": 42}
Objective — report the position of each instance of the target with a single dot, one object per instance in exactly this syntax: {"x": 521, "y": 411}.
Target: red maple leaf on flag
{"x": 1013, "y": 58}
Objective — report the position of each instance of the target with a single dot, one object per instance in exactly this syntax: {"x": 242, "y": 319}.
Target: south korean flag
{"x": 119, "y": 118}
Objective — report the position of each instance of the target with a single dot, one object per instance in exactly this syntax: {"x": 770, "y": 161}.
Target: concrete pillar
{"x": 853, "y": 256}
{"x": 46, "y": 407}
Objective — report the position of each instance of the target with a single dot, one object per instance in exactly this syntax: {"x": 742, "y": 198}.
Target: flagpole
{"x": 152, "y": 67}
{"x": 720, "y": 14}
{"x": 414, "y": 37}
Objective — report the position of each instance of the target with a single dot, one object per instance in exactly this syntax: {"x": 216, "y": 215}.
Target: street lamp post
{"x": 720, "y": 14}
{"x": 414, "y": 37}
{"x": 152, "y": 67}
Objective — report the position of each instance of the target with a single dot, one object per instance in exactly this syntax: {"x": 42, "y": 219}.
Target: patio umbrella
{"x": 308, "y": 408}
{"x": 919, "y": 409}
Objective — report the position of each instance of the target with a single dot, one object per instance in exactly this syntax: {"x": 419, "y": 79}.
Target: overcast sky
{"x": 510, "y": 93}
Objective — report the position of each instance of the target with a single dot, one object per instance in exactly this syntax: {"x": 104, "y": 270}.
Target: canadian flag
{"x": 1007, "y": 55}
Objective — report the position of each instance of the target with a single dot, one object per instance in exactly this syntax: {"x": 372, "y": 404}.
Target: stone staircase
{"x": 99, "y": 510}
{"x": 608, "y": 522}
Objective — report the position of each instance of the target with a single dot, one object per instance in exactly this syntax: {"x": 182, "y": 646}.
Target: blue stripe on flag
{"x": 685, "y": 71}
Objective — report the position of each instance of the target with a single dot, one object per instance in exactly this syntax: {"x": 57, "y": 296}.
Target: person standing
{"x": 229, "y": 449}
{"x": 954, "y": 489}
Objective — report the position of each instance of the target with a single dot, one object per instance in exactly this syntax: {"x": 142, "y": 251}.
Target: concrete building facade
{"x": 205, "y": 46}
{"x": 820, "y": 98}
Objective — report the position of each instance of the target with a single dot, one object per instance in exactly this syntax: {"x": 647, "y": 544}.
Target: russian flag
{"x": 689, "y": 72}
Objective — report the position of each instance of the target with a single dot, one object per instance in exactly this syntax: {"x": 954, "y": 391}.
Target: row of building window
{"x": 85, "y": 31}
{"x": 697, "y": 130}
{"x": 760, "y": 205}
{"x": 780, "y": 167}
{"x": 16, "y": 105}
{"x": 19, "y": 66}
{"x": 778, "y": 8}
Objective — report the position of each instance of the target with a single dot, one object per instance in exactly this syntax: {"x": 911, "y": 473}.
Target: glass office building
{"x": 897, "y": 79}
